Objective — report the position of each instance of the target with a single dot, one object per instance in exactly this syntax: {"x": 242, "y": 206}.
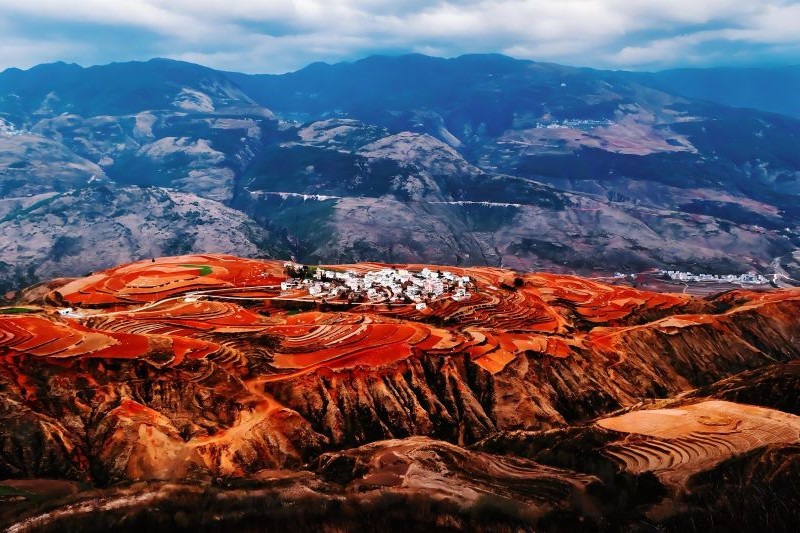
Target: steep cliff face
{"x": 196, "y": 367}
{"x": 443, "y": 397}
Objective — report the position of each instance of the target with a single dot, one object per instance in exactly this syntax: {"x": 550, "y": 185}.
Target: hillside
{"x": 772, "y": 89}
{"x": 80, "y": 230}
{"x": 138, "y": 394}
{"x": 476, "y": 160}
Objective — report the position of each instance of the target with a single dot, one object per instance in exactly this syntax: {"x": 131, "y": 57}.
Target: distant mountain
{"x": 773, "y": 89}
{"x": 481, "y": 159}
{"x": 115, "y": 89}
{"x": 462, "y": 95}
{"x": 533, "y": 119}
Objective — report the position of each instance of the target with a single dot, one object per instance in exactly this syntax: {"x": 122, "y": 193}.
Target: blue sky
{"x": 273, "y": 36}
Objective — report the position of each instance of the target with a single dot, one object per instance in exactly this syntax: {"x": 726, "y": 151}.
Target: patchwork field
{"x": 197, "y": 369}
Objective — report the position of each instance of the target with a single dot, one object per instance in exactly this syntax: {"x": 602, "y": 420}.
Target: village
{"x": 751, "y": 278}
{"x": 387, "y": 285}
{"x": 572, "y": 124}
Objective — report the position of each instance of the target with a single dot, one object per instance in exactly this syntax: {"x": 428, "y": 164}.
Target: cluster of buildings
{"x": 572, "y": 123}
{"x": 750, "y": 278}
{"x": 377, "y": 286}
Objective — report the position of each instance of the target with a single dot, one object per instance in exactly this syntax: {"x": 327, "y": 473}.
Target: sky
{"x": 274, "y": 36}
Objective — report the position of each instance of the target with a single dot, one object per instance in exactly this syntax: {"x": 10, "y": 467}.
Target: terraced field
{"x": 676, "y": 443}
{"x": 199, "y": 367}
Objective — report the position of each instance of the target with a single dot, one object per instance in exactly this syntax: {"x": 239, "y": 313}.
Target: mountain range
{"x": 476, "y": 160}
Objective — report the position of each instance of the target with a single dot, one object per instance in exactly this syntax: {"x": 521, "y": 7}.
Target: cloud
{"x": 28, "y": 52}
{"x": 279, "y": 35}
{"x": 774, "y": 25}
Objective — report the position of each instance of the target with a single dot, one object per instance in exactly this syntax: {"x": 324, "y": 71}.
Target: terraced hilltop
{"x": 139, "y": 394}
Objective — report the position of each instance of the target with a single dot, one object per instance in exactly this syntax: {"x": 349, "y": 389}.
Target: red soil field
{"x": 149, "y": 281}
{"x": 200, "y": 367}
{"x": 229, "y": 301}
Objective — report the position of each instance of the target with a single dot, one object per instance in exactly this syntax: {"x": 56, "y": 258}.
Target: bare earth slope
{"x": 193, "y": 389}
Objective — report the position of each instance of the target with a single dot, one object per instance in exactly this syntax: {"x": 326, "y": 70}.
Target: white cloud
{"x": 22, "y": 52}
{"x": 774, "y": 25}
{"x": 139, "y": 13}
{"x": 277, "y": 35}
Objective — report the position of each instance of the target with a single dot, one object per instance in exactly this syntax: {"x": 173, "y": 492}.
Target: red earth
{"x": 200, "y": 365}
{"x": 202, "y": 295}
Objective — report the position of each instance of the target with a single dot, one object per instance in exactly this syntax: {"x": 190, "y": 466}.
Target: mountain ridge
{"x": 537, "y": 166}
{"x": 669, "y": 79}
